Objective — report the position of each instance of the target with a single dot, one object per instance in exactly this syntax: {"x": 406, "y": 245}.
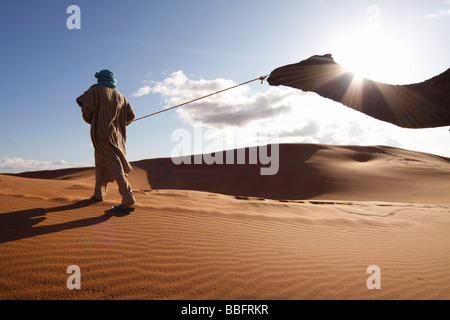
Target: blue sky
{"x": 178, "y": 49}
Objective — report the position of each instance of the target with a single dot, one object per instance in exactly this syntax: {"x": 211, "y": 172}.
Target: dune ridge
{"x": 225, "y": 232}
{"x": 306, "y": 171}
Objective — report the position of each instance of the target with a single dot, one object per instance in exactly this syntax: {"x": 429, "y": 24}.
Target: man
{"x": 108, "y": 112}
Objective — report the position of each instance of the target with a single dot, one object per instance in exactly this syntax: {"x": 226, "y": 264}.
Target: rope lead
{"x": 262, "y": 78}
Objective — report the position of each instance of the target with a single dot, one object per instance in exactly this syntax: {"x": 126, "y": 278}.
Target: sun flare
{"x": 374, "y": 54}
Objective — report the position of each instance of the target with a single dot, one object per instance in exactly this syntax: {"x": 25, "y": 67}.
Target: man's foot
{"x": 93, "y": 198}
{"x": 121, "y": 209}
{"x": 128, "y": 200}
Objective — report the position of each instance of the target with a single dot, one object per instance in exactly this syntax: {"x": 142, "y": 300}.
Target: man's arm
{"x": 86, "y": 101}
{"x": 87, "y": 114}
{"x": 130, "y": 113}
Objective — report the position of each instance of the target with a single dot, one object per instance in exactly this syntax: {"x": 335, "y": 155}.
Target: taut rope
{"x": 211, "y": 94}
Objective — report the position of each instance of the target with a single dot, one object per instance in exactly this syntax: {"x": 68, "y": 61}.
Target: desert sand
{"x": 225, "y": 232}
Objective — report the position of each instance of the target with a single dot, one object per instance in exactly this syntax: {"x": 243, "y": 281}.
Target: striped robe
{"x": 108, "y": 112}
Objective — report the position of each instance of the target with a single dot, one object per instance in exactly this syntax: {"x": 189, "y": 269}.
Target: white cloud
{"x": 439, "y": 13}
{"x": 238, "y": 116}
{"x": 309, "y": 129}
{"x": 431, "y": 15}
{"x": 142, "y": 91}
{"x": 10, "y": 165}
{"x": 234, "y": 108}
{"x": 239, "y": 110}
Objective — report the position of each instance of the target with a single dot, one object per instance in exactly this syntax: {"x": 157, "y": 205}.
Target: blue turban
{"x": 106, "y": 78}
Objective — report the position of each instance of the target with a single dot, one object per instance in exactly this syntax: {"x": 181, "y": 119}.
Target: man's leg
{"x": 126, "y": 191}
{"x": 100, "y": 190}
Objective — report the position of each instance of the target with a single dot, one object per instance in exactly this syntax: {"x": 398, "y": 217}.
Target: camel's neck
{"x": 412, "y": 106}
{"x": 420, "y": 105}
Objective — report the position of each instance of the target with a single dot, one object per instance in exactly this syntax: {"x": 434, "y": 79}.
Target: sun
{"x": 374, "y": 54}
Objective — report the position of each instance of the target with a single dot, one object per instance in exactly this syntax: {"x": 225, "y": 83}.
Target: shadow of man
{"x": 18, "y": 225}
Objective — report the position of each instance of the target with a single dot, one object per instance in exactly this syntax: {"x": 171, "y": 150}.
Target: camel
{"x": 418, "y": 105}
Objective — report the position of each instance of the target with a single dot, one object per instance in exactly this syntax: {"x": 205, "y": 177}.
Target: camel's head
{"x": 307, "y": 74}
{"x": 317, "y": 60}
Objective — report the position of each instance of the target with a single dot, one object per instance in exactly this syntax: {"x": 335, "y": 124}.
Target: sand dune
{"x": 226, "y": 232}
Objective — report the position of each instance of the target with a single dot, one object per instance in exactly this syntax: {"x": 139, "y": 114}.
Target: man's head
{"x": 307, "y": 75}
{"x": 106, "y": 78}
